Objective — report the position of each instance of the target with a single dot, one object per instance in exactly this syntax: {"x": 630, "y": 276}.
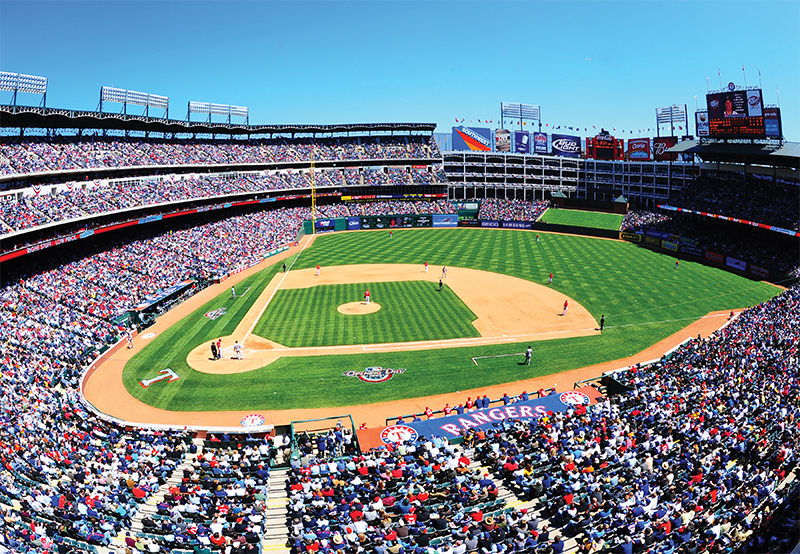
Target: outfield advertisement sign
{"x": 693, "y": 250}
{"x": 566, "y": 145}
{"x": 759, "y": 271}
{"x": 353, "y": 223}
{"x": 472, "y": 138}
{"x": 631, "y": 237}
{"x": 396, "y": 221}
{"x": 516, "y": 225}
{"x": 667, "y": 245}
{"x": 535, "y": 408}
{"x": 714, "y": 257}
{"x": 445, "y": 220}
{"x": 490, "y": 223}
{"x": 736, "y": 264}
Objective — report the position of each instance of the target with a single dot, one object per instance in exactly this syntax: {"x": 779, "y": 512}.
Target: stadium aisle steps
{"x": 148, "y": 508}
{"x": 275, "y": 531}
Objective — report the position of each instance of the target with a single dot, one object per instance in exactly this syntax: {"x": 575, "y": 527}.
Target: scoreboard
{"x": 736, "y": 113}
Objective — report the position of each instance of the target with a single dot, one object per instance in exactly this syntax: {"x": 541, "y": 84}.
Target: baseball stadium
{"x": 390, "y": 337}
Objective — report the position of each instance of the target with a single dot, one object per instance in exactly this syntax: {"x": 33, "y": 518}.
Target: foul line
{"x": 495, "y": 356}
{"x": 245, "y": 292}
{"x": 271, "y": 296}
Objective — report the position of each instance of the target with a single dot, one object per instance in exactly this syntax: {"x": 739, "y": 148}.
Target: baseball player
{"x": 444, "y": 272}
{"x": 602, "y": 322}
{"x": 130, "y": 339}
{"x": 566, "y": 304}
{"x": 366, "y": 296}
{"x": 528, "y": 354}
{"x": 550, "y": 281}
{"x": 440, "y": 285}
{"x": 219, "y": 349}
{"x": 233, "y": 292}
{"x": 676, "y": 264}
{"x": 537, "y": 238}
{"x": 284, "y": 268}
{"x": 237, "y": 348}
{"x": 213, "y": 350}
{"x": 426, "y": 267}
{"x": 317, "y": 270}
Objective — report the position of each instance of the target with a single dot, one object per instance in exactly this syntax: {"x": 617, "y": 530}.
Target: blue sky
{"x": 354, "y": 62}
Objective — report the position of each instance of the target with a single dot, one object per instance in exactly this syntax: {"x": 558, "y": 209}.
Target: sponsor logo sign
{"x": 667, "y": 245}
{"x": 150, "y": 219}
{"x": 759, "y": 271}
{"x": 502, "y": 138}
{"x": 714, "y": 257}
{"x": 216, "y": 314}
{"x": 469, "y": 138}
{"x": 522, "y": 143}
{"x": 540, "y": 143}
{"x": 639, "y": 149}
{"x": 701, "y": 124}
{"x": 448, "y": 220}
{"x": 632, "y": 237}
{"x": 693, "y": 250}
{"x": 660, "y": 147}
{"x": 736, "y": 264}
{"x": 353, "y": 223}
{"x": 148, "y": 336}
{"x": 252, "y": 420}
{"x": 652, "y": 240}
{"x": 375, "y": 374}
{"x": 566, "y": 145}
{"x": 517, "y": 225}
{"x": 489, "y": 223}
{"x": 754, "y": 107}
{"x": 398, "y": 434}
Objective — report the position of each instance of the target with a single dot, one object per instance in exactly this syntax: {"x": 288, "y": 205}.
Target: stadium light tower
{"x": 520, "y": 112}
{"x": 18, "y": 82}
{"x": 125, "y": 97}
{"x": 217, "y": 109}
{"x": 671, "y": 115}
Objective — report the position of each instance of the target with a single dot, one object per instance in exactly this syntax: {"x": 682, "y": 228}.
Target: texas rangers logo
{"x": 214, "y": 314}
{"x": 374, "y": 374}
{"x": 398, "y": 433}
{"x": 163, "y": 374}
{"x": 574, "y": 397}
{"x": 252, "y": 420}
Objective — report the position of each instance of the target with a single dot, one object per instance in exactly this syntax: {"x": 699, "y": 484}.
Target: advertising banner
{"x": 502, "y": 140}
{"x": 701, "y": 123}
{"x": 667, "y": 245}
{"x": 469, "y": 138}
{"x": 540, "y": 143}
{"x": 754, "y": 106}
{"x": 660, "y": 147}
{"x": 693, "y": 250}
{"x": 453, "y": 425}
{"x": 759, "y": 271}
{"x": 397, "y": 221}
{"x": 353, "y": 223}
{"x": 631, "y": 237}
{"x": 772, "y": 122}
{"x": 490, "y": 223}
{"x": 714, "y": 257}
{"x": 737, "y": 264}
{"x": 517, "y": 225}
{"x": 566, "y": 145}
{"x": 604, "y": 147}
{"x": 653, "y": 241}
{"x": 445, "y": 220}
{"x": 639, "y": 149}
{"x": 324, "y": 225}
{"x": 522, "y": 142}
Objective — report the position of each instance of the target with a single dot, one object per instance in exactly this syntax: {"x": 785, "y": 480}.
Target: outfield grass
{"x": 643, "y": 297}
{"x": 410, "y": 311}
{"x": 578, "y": 218}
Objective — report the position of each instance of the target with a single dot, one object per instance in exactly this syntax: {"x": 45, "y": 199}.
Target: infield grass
{"x": 578, "y": 218}
{"x": 643, "y": 297}
{"x": 410, "y": 311}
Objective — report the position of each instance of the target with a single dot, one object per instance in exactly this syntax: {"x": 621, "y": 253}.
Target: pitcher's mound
{"x": 358, "y": 308}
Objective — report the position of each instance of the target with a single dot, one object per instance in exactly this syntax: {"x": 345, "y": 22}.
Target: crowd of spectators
{"x": 84, "y": 199}
{"x": 512, "y": 210}
{"x": 755, "y": 198}
{"x": 42, "y": 154}
{"x": 399, "y": 207}
{"x": 67, "y": 479}
{"x": 637, "y": 220}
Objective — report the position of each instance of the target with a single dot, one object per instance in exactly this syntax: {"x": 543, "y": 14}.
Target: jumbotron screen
{"x": 736, "y": 114}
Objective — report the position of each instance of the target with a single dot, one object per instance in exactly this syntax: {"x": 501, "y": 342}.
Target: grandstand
{"x": 108, "y": 220}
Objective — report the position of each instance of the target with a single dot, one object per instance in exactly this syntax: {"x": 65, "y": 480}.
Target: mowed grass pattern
{"x": 642, "y": 295}
{"x": 577, "y": 218}
{"x": 410, "y": 311}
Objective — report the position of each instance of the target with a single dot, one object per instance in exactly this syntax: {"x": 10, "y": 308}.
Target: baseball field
{"x": 302, "y": 333}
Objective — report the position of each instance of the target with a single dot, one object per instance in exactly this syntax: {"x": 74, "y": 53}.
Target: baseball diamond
{"x": 648, "y": 305}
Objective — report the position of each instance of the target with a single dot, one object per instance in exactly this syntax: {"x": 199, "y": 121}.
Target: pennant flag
{"x": 593, "y": 127}
{"x": 456, "y": 120}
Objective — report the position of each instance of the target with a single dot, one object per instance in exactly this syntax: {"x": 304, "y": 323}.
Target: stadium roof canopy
{"x": 786, "y": 154}
{"x": 55, "y": 118}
